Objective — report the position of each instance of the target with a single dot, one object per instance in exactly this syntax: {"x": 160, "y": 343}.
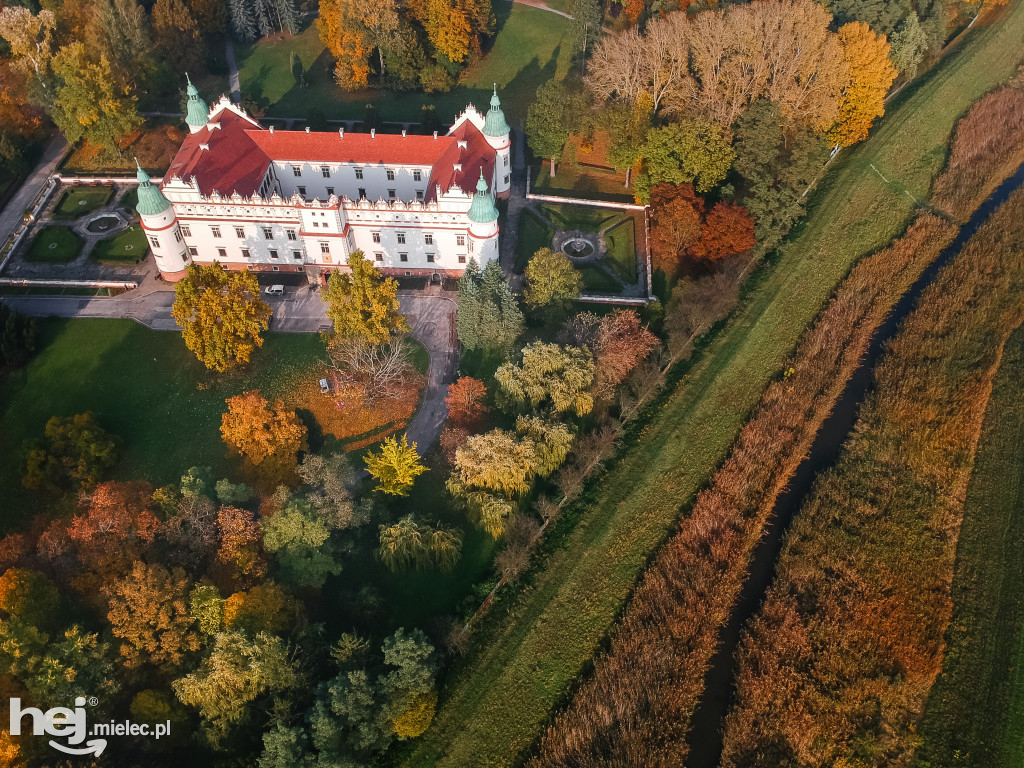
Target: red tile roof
{"x": 476, "y": 155}
{"x": 233, "y": 162}
{"x": 324, "y": 147}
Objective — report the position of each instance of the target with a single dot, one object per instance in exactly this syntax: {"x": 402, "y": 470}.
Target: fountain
{"x": 577, "y": 247}
{"x": 103, "y": 223}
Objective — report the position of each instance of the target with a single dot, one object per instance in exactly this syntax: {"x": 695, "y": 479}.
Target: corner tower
{"x": 498, "y": 135}
{"x": 196, "y": 111}
{"x": 483, "y": 227}
{"x": 161, "y": 227}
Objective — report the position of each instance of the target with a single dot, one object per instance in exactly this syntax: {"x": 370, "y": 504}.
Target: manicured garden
{"x": 129, "y": 247}
{"x": 54, "y": 245}
{"x": 534, "y": 646}
{"x": 533, "y": 234}
{"x": 78, "y": 201}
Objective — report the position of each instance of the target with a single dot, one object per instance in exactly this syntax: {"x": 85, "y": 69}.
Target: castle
{"x": 260, "y": 199}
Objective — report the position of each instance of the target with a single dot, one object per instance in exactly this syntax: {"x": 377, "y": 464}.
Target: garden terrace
{"x": 54, "y": 244}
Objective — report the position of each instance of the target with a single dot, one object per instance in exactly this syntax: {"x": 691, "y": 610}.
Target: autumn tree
{"x": 627, "y": 127}
{"x": 265, "y": 607}
{"x": 870, "y": 73}
{"x": 269, "y": 438}
{"x": 552, "y": 282}
{"x": 363, "y": 304}
{"x": 585, "y": 24}
{"x": 490, "y": 471}
{"x": 554, "y": 114}
{"x": 149, "y": 612}
{"x": 30, "y": 37}
{"x": 395, "y": 466}
{"x": 728, "y": 230}
{"x": 550, "y": 440}
{"x": 690, "y": 151}
{"x": 448, "y": 29}
{"x": 29, "y": 596}
{"x": 621, "y": 344}
{"x": 241, "y": 543}
{"x": 342, "y": 32}
{"x": 411, "y": 544}
{"x": 221, "y": 314}
{"x": 677, "y": 215}
{"x": 465, "y": 400}
{"x": 300, "y": 540}
{"x": 549, "y": 375}
{"x": 75, "y": 454}
{"x": 118, "y": 30}
{"x": 177, "y": 34}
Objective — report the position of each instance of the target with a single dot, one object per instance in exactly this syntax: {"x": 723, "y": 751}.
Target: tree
{"x": 552, "y": 282}
{"x": 676, "y": 219}
{"x": 374, "y": 370}
{"x": 241, "y": 543}
{"x": 243, "y": 21}
{"x": 627, "y": 128}
{"x": 364, "y": 304}
{"x": 17, "y": 337}
{"x": 409, "y": 544}
{"x": 221, "y": 314}
{"x": 177, "y": 34}
{"x": 690, "y": 151}
{"x": 211, "y": 16}
{"x": 271, "y": 438}
{"x": 549, "y": 375}
{"x": 870, "y": 74}
{"x": 264, "y": 608}
{"x": 149, "y": 611}
{"x": 395, "y": 467}
{"x": 417, "y": 716}
{"x": 488, "y": 316}
{"x": 909, "y": 45}
{"x": 29, "y": 596}
{"x": 728, "y": 230}
{"x": 622, "y": 344}
{"x": 329, "y": 480}
{"x": 551, "y": 442}
{"x": 237, "y": 672}
{"x": 465, "y": 400}
{"x": 207, "y": 608}
{"x": 88, "y": 104}
{"x": 448, "y": 29}
{"x": 118, "y": 30}
{"x": 496, "y": 461}
{"x": 554, "y": 113}
{"x": 300, "y": 541}
{"x": 31, "y": 40}
{"x": 585, "y": 24}
{"x": 76, "y": 453}
{"x": 696, "y": 305}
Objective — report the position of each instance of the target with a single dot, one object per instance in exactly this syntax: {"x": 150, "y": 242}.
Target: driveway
{"x": 12, "y": 213}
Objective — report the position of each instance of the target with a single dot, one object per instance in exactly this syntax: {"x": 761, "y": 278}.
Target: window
{"x": 291, "y": 234}
{"x": 177, "y": 234}
{"x": 224, "y": 267}
{"x": 276, "y": 268}
{"x": 302, "y": 191}
{"x": 378, "y": 256}
{"x": 362, "y": 192}
{"x": 215, "y": 231}
{"x": 316, "y": 223}
{"x": 470, "y": 246}
{"x": 273, "y": 254}
{"x": 403, "y": 257}
{"x": 268, "y": 233}
{"x": 222, "y": 253}
{"x": 506, "y": 178}
{"x": 401, "y": 238}
{"x": 391, "y": 175}
{"x": 154, "y": 242}
{"x": 506, "y": 161}
{"x": 325, "y": 247}
{"x": 297, "y": 255}
{"x": 239, "y": 232}
{"x": 460, "y": 239}
{"x": 428, "y": 238}
{"x": 417, "y": 176}
{"x": 296, "y": 171}
{"x": 376, "y": 237}
{"x": 330, "y": 191}
{"x": 359, "y": 173}
{"x": 245, "y": 253}
{"x": 462, "y": 258}
{"x": 193, "y": 251}
{"x": 325, "y": 171}
{"x": 391, "y": 194}
{"x": 430, "y": 258}
{"x": 419, "y": 194}
{"x": 186, "y": 231}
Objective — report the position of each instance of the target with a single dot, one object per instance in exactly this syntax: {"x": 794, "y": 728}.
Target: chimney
{"x": 341, "y": 132}
{"x": 403, "y": 133}
{"x": 435, "y": 135}
{"x": 307, "y": 129}
{"x": 271, "y": 130}
{"x": 373, "y": 133}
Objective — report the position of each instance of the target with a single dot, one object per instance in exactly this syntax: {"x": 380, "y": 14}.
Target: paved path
{"x": 432, "y": 319}
{"x": 233, "y": 81}
{"x": 11, "y": 215}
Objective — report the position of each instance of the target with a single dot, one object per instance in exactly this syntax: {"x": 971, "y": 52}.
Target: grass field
{"x": 130, "y": 247}
{"x": 975, "y": 713}
{"x": 57, "y": 245}
{"x": 78, "y": 201}
{"x": 621, "y": 242}
{"x": 530, "y": 48}
{"x": 533, "y": 235}
{"x": 143, "y": 386}
{"x": 596, "y": 280}
{"x": 538, "y": 640}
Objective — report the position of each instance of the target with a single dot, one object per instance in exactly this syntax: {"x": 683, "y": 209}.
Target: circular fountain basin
{"x": 577, "y": 247}
{"x": 103, "y": 223}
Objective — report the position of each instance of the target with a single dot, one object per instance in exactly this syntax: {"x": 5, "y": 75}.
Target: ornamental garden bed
{"x": 55, "y": 245}
{"x": 129, "y": 247}
{"x": 78, "y": 201}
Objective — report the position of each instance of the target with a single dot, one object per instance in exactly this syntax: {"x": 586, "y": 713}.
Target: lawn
{"x": 581, "y": 183}
{"x": 78, "y": 201}
{"x": 975, "y": 713}
{"x": 129, "y": 247}
{"x": 130, "y": 199}
{"x": 533, "y": 235}
{"x": 596, "y": 280}
{"x": 538, "y": 640}
{"x": 621, "y": 257}
{"x": 582, "y": 217}
{"x": 144, "y": 386}
{"x": 531, "y": 47}
{"x": 57, "y": 245}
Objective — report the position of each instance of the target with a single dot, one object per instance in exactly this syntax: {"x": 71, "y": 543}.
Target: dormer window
{"x": 391, "y": 175}
{"x": 326, "y": 171}
{"x": 296, "y": 171}
{"x": 417, "y": 176}
{"x": 359, "y": 173}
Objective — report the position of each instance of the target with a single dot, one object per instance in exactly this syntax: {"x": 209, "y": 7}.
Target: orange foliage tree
{"x": 269, "y": 438}
{"x": 343, "y": 35}
{"x": 622, "y": 343}
{"x": 241, "y": 543}
{"x": 465, "y": 401}
{"x": 676, "y": 213}
{"x": 633, "y": 9}
{"x": 28, "y": 595}
{"x": 264, "y": 608}
{"x": 728, "y": 229}
{"x": 870, "y": 72}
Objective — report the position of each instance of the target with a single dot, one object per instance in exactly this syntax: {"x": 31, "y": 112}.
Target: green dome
{"x": 482, "y": 210}
{"x": 196, "y": 112}
{"x": 151, "y": 200}
{"x": 494, "y": 122}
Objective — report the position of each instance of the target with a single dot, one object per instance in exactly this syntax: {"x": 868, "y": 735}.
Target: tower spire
{"x": 196, "y": 111}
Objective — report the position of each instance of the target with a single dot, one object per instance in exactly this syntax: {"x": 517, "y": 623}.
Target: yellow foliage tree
{"x": 363, "y": 304}
{"x": 264, "y": 608}
{"x": 395, "y": 467}
{"x": 263, "y": 435}
{"x": 413, "y": 721}
{"x": 870, "y": 72}
{"x": 344, "y": 35}
{"x": 448, "y": 29}
{"x": 221, "y": 314}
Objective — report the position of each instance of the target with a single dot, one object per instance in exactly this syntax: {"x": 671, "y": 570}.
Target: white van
{"x": 274, "y": 290}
